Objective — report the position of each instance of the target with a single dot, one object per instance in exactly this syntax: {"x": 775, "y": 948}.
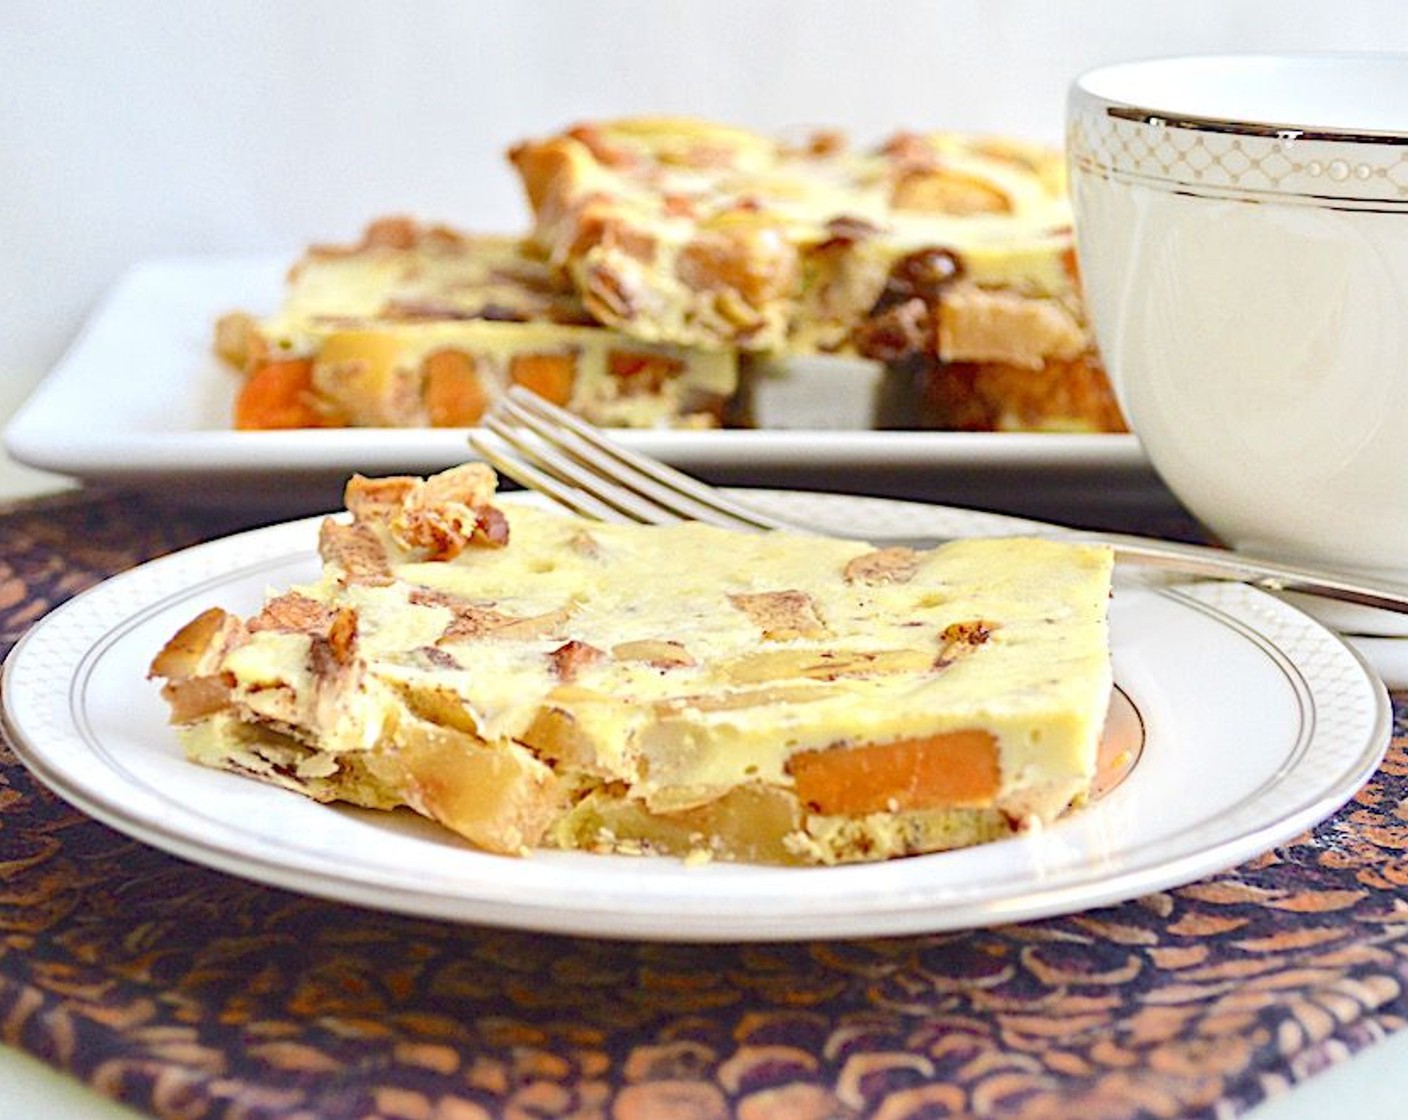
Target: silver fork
{"x": 575, "y": 465}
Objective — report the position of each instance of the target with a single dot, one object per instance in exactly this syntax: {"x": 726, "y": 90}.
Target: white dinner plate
{"x": 1257, "y": 723}
{"x": 141, "y": 401}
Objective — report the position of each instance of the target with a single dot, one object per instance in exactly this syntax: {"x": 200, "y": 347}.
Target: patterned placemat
{"x": 189, "y": 993}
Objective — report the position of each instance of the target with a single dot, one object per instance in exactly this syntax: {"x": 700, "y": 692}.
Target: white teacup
{"x": 1242, "y": 227}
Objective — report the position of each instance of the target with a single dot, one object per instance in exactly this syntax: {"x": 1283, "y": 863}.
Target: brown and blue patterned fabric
{"x": 189, "y": 993}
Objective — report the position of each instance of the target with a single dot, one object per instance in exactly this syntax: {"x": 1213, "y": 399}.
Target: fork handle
{"x": 1269, "y": 575}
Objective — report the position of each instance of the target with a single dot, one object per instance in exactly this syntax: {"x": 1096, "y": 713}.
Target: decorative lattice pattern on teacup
{"x": 1226, "y": 159}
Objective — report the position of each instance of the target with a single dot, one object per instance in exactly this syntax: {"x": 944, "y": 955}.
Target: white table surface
{"x": 1373, "y": 1083}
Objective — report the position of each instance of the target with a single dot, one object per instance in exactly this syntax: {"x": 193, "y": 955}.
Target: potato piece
{"x": 278, "y": 394}
{"x": 956, "y": 769}
{"x": 551, "y": 376}
{"x": 455, "y": 396}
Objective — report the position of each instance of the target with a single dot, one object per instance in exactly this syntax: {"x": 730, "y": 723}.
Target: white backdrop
{"x": 132, "y": 129}
{"x": 149, "y": 128}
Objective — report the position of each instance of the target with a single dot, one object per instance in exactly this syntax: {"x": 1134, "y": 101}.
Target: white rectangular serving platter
{"x": 141, "y": 401}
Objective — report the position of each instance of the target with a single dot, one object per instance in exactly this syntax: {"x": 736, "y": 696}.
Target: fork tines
{"x": 571, "y": 462}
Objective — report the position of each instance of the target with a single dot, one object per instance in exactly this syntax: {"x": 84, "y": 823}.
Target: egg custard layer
{"x": 530, "y": 679}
